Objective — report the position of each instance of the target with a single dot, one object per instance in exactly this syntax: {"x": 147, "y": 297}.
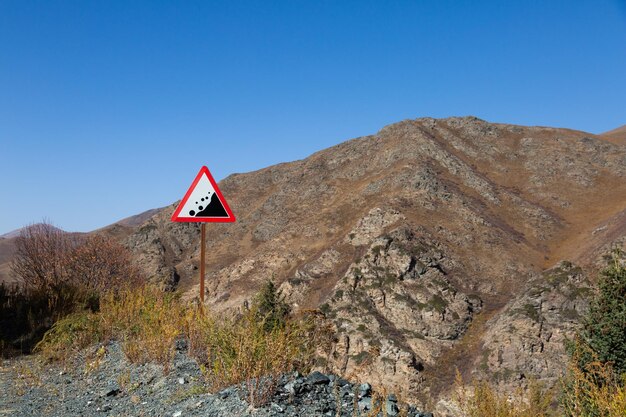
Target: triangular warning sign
{"x": 203, "y": 202}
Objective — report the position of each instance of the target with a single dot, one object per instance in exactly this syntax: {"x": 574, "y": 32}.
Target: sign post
{"x": 203, "y": 203}
{"x": 202, "y": 250}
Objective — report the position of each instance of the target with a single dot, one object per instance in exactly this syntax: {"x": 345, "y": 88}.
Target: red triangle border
{"x": 229, "y": 219}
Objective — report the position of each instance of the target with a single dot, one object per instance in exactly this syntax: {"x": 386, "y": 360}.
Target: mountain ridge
{"x": 617, "y": 136}
{"x": 416, "y": 242}
{"x": 413, "y": 237}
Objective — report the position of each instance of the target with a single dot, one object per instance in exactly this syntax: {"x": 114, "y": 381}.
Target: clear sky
{"x": 110, "y": 108}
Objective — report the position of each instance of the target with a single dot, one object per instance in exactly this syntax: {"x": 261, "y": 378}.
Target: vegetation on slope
{"x": 595, "y": 384}
{"x": 148, "y": 322}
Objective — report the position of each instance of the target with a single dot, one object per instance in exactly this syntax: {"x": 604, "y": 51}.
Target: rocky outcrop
{"x": 529, "y": 338}
{"x": 395, "y": 308}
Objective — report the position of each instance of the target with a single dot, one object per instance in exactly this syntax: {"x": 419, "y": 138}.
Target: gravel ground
{"x": 101, "y": 382}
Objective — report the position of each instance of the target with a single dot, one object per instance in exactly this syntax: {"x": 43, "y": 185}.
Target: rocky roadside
{"x": 101, "y": 381}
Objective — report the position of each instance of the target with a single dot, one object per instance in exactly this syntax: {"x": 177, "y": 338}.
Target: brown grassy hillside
{"x": 617, "y": 136}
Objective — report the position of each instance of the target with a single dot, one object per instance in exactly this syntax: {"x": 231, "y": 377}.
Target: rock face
{"x": 396, "y": 307}
{"x": 426, "y": 244}
{"x": 528, "y": 338}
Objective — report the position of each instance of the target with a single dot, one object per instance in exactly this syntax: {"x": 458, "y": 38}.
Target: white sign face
{"x": 203, "y": 202}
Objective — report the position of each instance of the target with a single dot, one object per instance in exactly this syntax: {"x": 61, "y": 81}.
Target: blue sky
{"x": 110, "y": 108}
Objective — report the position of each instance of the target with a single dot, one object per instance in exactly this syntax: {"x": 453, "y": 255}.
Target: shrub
{"x": 23, "y": 319}
{"x": 48, "y": 258}
{"x": 596, "y": 382}
{"x": 596, "y": 390}
{"x": 26, "y": 314}
{"x": 480, "y": 399}
{"x": 60, "y": 274}
{"x": 100, "y": 263}
{"x": 438, "y": 303}
{"x": 604, "y": 328}
{"x": 271, "y": 307}
{"x": 68, "y": 335}
{"x": 41, "y": 252}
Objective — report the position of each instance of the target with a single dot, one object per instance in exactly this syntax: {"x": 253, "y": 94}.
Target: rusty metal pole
{"x": 202, "y": 246}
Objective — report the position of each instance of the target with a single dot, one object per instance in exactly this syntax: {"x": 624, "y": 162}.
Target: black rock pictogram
{"x": 213, "y": 209}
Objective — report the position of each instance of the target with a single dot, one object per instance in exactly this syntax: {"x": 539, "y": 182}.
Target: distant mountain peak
{"x": 17, "y": 232}
{"x": 617, "y": 136}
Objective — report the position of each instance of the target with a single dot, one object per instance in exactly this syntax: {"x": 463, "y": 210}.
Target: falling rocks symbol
{"x": 214, "y": 209}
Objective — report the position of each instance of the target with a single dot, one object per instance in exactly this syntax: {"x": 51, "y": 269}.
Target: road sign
{"x": 203, "y": 202}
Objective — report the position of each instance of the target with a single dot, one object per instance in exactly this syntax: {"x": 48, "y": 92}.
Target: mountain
{"x": 431, "y": 245}
{"x": 11, "y": 234}
{"x": 617, "y": 136}
{"x": 17, "y": 232}
{"x": 137, "y": 219}
{"x": 7, "y": 250}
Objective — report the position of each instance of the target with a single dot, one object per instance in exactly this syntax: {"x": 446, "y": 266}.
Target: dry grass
{"x": 480, "y": 399}
{"x": 595, "y": 390}
{"x": 232, "y": 350}
{"x": 144, "y": 319}
{"x": 242, "y": 349}
{"x": 591, "y": 392}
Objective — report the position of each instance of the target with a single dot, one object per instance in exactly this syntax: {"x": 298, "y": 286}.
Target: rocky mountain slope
{"x": 431, "y": 245}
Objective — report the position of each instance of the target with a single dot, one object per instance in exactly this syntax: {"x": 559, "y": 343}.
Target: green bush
{"x": 596, "y": 382}
{"x": 271, "y": 307}
{"x": 604, "y": 328}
